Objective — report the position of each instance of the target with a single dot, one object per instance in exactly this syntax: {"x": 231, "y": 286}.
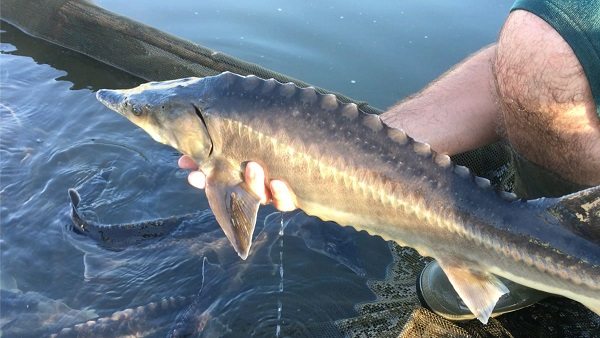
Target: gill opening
{"x": 205, "y": 127}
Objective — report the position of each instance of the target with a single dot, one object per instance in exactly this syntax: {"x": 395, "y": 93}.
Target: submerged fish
{"x": 347, "y": 166}
{"x": 120, "y": 236}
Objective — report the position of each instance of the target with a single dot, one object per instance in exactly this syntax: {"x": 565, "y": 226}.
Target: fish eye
{"x": 137, "y": 111}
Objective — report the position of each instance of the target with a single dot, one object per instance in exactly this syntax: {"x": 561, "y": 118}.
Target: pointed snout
{"x": 113, "y": 99}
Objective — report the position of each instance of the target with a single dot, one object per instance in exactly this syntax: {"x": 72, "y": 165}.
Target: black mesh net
{"x": 397, "y": 312}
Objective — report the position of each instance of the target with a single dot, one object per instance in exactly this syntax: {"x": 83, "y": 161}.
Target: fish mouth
{"x": 112, "y": 99}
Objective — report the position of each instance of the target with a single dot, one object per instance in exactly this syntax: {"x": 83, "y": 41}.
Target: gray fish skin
{"x": 140, "y": 321}
{"x": 346, "y": 166}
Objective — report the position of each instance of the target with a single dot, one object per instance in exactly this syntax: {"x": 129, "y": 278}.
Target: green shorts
{"x": 533, "y": 181}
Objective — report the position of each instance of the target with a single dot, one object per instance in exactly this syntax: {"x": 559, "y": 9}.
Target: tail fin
{"x": 580, "y": 213}
{"x": 75, "y": 198}
{"x": 79, "y": 225}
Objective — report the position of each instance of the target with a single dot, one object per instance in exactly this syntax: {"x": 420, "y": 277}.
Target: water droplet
{"x": 279, "y": 303}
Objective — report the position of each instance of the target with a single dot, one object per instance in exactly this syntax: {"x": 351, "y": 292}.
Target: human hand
{"x": 275, "y": 191}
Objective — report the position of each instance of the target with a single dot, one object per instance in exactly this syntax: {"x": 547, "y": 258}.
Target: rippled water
{"x": 55, "y": 135}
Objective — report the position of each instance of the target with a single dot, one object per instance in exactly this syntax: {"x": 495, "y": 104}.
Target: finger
{"x": 197, "y": 179}
{"x": 186, "y": 162}
{"x": 254, "y": 176}
{"x": 283, "y": 199}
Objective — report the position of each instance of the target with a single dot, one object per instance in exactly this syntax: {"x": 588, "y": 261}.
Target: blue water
{"x": 55, "y": 135}
{"x": 375, "y": 51}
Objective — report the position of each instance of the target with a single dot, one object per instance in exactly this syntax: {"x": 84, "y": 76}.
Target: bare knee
{"x": 548, "y": 112}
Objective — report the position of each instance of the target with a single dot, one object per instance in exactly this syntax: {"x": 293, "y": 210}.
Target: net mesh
{"x": 396, "y": 311}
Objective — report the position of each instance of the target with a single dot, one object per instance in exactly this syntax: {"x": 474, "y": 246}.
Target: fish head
{"x": 169, "y": 111}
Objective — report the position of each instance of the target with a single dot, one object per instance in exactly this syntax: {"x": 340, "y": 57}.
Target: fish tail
{"x": 79, "y": 225}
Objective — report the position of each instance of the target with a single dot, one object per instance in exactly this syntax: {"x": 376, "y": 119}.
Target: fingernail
{"x": 282, "y": 195}
{"x": 197, "y": 179}
{"x": 278, "y": 187}
{"x": 280, "y": 191}
{"x": 251, "y": 170}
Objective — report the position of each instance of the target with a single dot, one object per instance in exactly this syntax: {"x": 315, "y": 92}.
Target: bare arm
{"x": 455, "y": 113}
{"x": 529, "y": 89}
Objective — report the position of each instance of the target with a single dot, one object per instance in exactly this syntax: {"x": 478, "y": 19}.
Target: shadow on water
{"x": 82, "y": 71}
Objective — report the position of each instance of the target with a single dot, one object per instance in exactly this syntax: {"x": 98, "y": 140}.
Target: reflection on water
{"x": 55, "y": 135}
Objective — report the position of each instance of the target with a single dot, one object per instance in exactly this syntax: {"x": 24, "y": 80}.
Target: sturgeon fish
{"x": 346, "y": 166}
{"x": 120, "y": 236}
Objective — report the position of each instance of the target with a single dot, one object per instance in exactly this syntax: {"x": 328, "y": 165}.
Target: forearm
{"x": 455, "y": 113}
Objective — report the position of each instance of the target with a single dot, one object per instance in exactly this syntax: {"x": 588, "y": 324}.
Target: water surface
{"x": 378, "y": 52}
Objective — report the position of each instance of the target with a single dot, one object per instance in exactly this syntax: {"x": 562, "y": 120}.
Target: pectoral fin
{"x": 235, "y": 209}
{"x": 479, "y": 290}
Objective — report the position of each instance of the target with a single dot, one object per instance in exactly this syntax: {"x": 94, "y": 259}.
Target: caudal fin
{"x": 75, "y": 198}
{"x": 79, "y": 225}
